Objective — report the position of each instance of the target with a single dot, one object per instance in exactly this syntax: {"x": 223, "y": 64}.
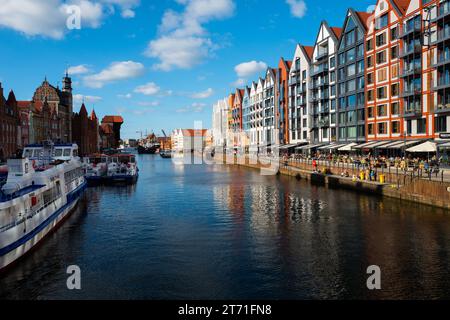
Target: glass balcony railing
{"x": 444, "y": 10}
{"x": 410, "y": 28}
{"x": 411, "y": 91}
{"x": 442, "y": 58}
{"x": 443, "y": 82}
{"x": 413, "y": 110}
{"x": 410, "y": 49}
{"x": 443, "y": 34}
{"x": 412, "y": 69}
{"x": 319, "y": 69}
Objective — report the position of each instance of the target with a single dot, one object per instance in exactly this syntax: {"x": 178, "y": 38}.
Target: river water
{"x": 221, "y": 232}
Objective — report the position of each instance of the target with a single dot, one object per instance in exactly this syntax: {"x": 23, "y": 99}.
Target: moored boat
{"x": 166, "y": 154}
{"x": 122, "y": 168}
{"x": 96, "y": 168}
{"x": 42, "y": 189}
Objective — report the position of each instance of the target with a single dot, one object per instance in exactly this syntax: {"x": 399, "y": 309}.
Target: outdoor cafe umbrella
{"x": 426, "y": 147}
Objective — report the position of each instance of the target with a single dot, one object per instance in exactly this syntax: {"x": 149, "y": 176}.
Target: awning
{"x": 309, "y": 146}
{"x": 402, "y": 145}
{"x": 379, "y": 144}
{"x": 288, "y": 146}
{"x": 427, "y": 147}
{"x": 331, "y": 146}
{"x": 348, "y": 147}
{"x": 444, "y": 145}
{"x": 390, "y": 144}
{"x": 365, "y": 145}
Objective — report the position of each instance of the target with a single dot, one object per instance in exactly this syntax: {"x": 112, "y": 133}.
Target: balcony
{"x": 319, "y": 69}
{"x": 411, "y": 49}
{"x": 412, "y": 112}
{"x": 442, "y": 83}
{"x": 322, "y": 54}
{"x": 442, "y": 108}
{"x": 325, "y": 122}
{"x": 324, "y": 109}
{"x": 416, "y": 27}
{"x": 412, "y": 70}
{"x": 323, "y": 82}
{"x": 443, "y": 12}
{"x": 442, "y": 35}
{"x": 443, "y": 59}
{"x": 414, "y": 91}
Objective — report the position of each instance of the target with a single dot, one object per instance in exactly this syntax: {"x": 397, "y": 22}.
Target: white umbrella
{"x": 427, "y": 147}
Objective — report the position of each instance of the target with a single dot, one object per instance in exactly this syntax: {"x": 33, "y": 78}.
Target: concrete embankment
{"x": 433, "y": 193}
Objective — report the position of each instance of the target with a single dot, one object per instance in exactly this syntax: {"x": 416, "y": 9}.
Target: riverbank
{"x": 404, "y": 186}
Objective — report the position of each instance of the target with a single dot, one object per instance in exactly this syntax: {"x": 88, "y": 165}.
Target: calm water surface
{"x": 217, "y": 232}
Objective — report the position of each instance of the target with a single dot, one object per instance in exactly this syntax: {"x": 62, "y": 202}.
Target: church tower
{"x": 68, "y": 101}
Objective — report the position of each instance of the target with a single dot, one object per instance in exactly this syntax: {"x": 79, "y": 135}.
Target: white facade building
{"x": 220, "y": 123}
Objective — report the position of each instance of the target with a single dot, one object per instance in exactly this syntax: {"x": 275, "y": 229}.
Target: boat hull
{"x": 18, "y": 249}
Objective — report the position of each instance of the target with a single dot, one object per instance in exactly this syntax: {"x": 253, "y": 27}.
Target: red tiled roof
{"x": 309, "y": 51}
{"x": 23, "y": 104}
{"x": 112, "y": 119}
{"x": 337, "y": 31}
{"x": 364, "y": 17}
{"x": 402, "y": 4}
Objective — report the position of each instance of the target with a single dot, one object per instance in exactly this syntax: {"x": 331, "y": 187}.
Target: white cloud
{"x": 183, "y": 41}
{"x": 81, "y": 69}
{"x": 115, "y": 72}
{"x": 79, "y": 98}
{"x": 149, "y": 104}
{"x": 250, "y": 68}
{"x": 298, "y": 8}
{"x": 148, "y": 89}
{"x": 204, "y": 94}
{"x": 48, "y": 18}
{"x": 239, "y": 82}
{"x": 124, "y": 96}
{"x": 128, "y": 14}
{"x": 195, "y": 107}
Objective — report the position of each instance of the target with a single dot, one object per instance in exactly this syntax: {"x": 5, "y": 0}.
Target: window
{"x": 381, "y": 57}
{"x": 332, "y": 62}
{"x": 370, "y": 112}
{"x": 341, "y": 58}
{"x": 382, "y": 128}
{"x": 421, "y": 126}
{"x": 342, "y": 132}
{"x": 369, "y": 61}
{"x": 394, "y": 33}
{"x": 351, "y": 85}
{"x": 382, "y": 21}
{"x": 394, "y": 90}
{"x": 351, "y": 101}
{"x": 351, "y": 132}
{"x": 394, "y": 71}
{"x": 361, "y": 115}
{"x": 440, "y": 124}
{"x": 342, "y": 118}
{"x": 369, "y": 45}
{"x": 360, "y": 51}
{"x": 370, "y": 78}
{"x": 351, "y": 116}
{"x": 360, "y": 83}
{"x": 396, "y": 127}
{"x": 370, "y": 128}
{"x": 381, "y": 93}
{"x": 350, "y": 55}
{"x": 395, "y": 109}
{"x": 350, "y": 38}
{"x": 351, "y": 70}
{"x": 370, "y": 95}
{"x": 360, "y": 66}
{"x": 381, "y": 112}
{"x": 381, "y": 39}
{"x": 394, "y": 52}
{"x": 382, "y": 75}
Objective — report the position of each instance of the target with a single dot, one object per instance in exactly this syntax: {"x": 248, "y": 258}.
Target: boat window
{"x": 66, "y": 152}
{"x": 36, "y": 153}
{"x": 28, "y": 153}
{"x": 58, "y": 152}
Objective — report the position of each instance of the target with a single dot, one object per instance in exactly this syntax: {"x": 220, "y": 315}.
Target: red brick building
{"x": 9, "y": 123}
{"x": 85, "y": 131}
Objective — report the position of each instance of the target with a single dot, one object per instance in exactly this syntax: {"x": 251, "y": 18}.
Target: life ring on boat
{"x": 33, "y": 163}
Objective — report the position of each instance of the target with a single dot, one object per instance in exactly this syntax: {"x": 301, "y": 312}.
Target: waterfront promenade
{"x": 409, "y": 184}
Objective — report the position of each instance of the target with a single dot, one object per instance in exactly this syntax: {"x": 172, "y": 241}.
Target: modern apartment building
{"x": 441, "y": 41}
{"x": 269, "y": 115}
{"x": 323, "y": 85}
{"x": 383, "y": 50}
{"x": 351, "y": 117}
{"x": 299, "y": 120}
{"x": 282, "y": 101}
{"x": 220, "y": 123}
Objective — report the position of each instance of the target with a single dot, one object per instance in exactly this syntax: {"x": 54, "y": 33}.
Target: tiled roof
{"x": 309, "y": 51}
{"x": 364, "y": 17}
{"x": 106, "y": 128}
{"x": 112, "y": 119}
{"x": 337, "y": 31}
{"x": 402, "y": 4}
{"x": 23, "y": 104}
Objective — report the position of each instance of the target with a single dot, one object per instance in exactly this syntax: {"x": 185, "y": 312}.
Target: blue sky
{"x": 160, "y": 64}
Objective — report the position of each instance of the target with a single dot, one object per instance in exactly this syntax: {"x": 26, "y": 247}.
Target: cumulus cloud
{"x": 124, "y": 96}
{"x": 183, "y": 42}
{"x": 148, "y": 89}
{"x": 203, "y": 95}
{"x": 115, "y": 72}
{"x": 76, "y": 70}
{"x": 48, "y": 18}
{"x": 79, "y": 98}
{"x": 247, "y": 69}
{"x": 195, "y": 107}
{"x": 250, "y": 68}
{"x": 298, "y": 8}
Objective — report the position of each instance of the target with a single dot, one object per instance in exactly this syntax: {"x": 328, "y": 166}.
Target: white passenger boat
{"x": 41, "y": 190}
{"x": 122, "y": 168}
{"x": 96, "y": 168}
